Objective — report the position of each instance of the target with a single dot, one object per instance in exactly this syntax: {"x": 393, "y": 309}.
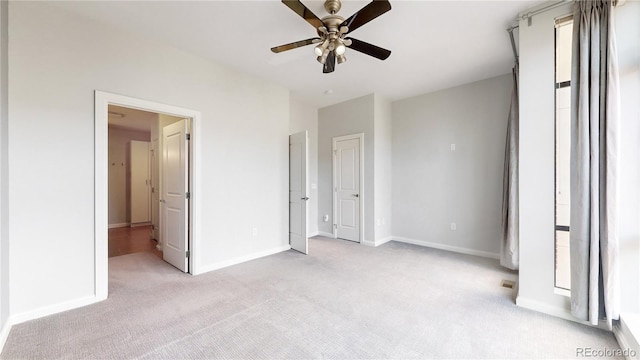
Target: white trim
{"x": 457, "y": 249}
{"x": 241, "y": 259}
{"x": 102, "y": 102}
{"x": 315, "y": 233}
{"x": 326, "y": 234}
{"x": 4, "y": 333}
{"x": 554, "y": 311}
{"x": 625, "y": 338}
{"x": 334, "y": 140}
{"x": 561, "y": 291}
{"x": 384, "y": 240}
{"x": 53, "y": 309}
{"x": 120, "y": 225}
{"x": 140, "y": 224}
{"x": 376, "y": 243}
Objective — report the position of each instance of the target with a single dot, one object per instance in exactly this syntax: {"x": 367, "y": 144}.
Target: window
{"x": 563, "y": 40}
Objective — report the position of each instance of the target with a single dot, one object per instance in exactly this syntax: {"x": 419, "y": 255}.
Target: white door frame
{"x": 359, "y": 136}
{"x": 102, "y": 102}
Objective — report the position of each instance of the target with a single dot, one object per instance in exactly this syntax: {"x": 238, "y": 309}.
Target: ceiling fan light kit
{"x": 333, "y": 29}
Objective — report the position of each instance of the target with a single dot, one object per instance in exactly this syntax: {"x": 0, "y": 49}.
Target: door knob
{"x": 356, "y": 195}
{"x": 304, "y": 198}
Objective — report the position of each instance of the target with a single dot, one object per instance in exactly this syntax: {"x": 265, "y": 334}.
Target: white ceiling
{"x": 434, "y": 44}
{"x": 132, "y": 119}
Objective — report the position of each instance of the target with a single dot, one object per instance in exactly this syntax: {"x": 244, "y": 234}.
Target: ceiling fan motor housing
{"x": 332, "y": 23}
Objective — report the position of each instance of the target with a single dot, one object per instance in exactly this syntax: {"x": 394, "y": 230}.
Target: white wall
{"x": 382, "y": 168}
{"x": 57, "y": 61}
{"x": 434, "y": 186}
{"x": 628, "y": 41}
{"x": 304, "y": 117}
{"x": 537, "y": 108}
{"x": 349, "y": 117}
{"x": 119, "y": 192}
{"x": 4, "y": 177}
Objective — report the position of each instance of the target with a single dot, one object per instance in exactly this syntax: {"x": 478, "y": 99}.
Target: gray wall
{"x": 434, "y": 186}
{"x": 304, "y": 117}
{"x": 382, "y": 170}
{"x": 349, "y": 117}
{"x": 4, "y": 173}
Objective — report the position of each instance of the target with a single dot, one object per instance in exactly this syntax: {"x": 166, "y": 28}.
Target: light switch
{"x": 314, "y": 186}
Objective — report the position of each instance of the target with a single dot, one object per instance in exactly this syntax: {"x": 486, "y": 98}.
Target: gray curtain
{"x": 594, "y": 164}
{"x": 510, "y": 252}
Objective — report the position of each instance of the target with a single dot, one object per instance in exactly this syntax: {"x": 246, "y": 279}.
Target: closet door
{"x": 140, "y": 183}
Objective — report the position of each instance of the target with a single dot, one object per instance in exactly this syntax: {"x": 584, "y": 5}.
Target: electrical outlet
{"x": 453, "y": 147}
{"x": 254, "y": 232}
{"x": 453, "y": 226}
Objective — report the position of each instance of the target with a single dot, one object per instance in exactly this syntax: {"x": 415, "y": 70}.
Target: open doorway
{"x": 135, "y": 168}
{"x": 170, "y": 175}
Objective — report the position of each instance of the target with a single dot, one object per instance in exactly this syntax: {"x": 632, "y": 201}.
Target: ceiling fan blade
{"x": 304, "y": 12}
{"x": 366, "y": 14}
{"x": 293, "y": 45}
{"x": 369, "y": 49}
{"x": 330, "y": 64}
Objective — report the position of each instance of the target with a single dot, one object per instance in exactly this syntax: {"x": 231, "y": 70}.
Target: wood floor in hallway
{"x": 129, "y": 240}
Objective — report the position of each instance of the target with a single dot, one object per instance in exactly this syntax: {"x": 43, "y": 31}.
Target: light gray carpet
{"x": 345, "y": 300}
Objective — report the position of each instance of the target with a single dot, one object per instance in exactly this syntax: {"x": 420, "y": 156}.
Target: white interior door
{"x": 298, "y": 192}
{"x": 347, "y": 189}
{"x": 174, "y": 204}
{"x": 140, "y": 183}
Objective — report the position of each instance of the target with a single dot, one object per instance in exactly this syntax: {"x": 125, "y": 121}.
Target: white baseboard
{"x": 315, "y": 233}
{"x": 241, "y": 259}
{"x": 322, "y": 233}
{"x": 376, "y": 243}
{"x": 4, "y": 333}
{"x": 140, "y": 224}
{"x": 554, "y": 311}
{"x": 457, "y": 249}
{"x": 113, "y": 226}
{"x": 53, "y": 309}
{"x": 626, "y": 339}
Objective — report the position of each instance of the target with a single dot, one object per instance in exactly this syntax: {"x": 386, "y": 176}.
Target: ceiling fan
{"x": 333, "y": 29}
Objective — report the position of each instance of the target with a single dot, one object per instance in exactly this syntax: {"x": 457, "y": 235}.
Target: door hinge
{"x": 188, "y": 253}
{"x": 335, "y": 226}
{"x": 188, "y": 136}
{"x": 188, "y": 195}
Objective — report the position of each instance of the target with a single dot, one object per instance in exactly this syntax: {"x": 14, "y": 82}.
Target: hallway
{"x": 129, "y": 240}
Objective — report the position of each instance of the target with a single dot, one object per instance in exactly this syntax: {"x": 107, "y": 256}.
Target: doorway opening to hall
{"x": 148, "y": 177}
